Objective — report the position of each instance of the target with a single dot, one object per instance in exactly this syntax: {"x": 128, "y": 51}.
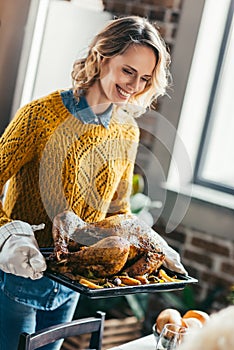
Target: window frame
{"x": 205, "y": 137}
{"x": 208, "y": 210}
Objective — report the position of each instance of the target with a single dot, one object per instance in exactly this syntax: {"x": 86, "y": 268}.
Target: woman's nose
{"x": 133, "y": 84}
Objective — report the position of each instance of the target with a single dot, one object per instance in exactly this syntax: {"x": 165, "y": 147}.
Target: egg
{"x": 168, "y": 316}
{"x": 191, "y": 322}
{"x": 202, "y": 316}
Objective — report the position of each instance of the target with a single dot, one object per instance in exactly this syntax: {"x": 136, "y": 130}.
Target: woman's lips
{"x": 123, "y": 93}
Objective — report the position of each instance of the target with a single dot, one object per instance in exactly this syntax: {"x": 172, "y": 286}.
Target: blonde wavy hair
{"x": 114, "y": 40}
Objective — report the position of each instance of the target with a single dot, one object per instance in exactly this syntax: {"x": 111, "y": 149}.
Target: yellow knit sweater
{"x": 55, "y": 162}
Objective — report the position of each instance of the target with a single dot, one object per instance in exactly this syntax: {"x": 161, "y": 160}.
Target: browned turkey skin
{"x": 118, "y": 244}
{"x": 105, "y": 258}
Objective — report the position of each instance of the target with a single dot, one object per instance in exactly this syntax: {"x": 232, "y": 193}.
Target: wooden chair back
{"x": 88, "y": 325}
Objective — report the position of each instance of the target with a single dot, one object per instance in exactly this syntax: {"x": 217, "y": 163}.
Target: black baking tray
{"x": 119, "y": 291}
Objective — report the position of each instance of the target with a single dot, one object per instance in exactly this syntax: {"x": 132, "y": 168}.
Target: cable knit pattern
{"x": 55, "y": 162}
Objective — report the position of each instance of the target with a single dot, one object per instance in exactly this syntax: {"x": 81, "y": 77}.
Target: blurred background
{"x": 185, "y": 157}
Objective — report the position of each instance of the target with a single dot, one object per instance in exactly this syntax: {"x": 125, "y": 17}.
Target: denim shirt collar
{"x": 82, "y": 111}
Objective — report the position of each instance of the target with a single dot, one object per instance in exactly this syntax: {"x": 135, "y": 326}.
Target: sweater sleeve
{"x": 120, "y": 203}
{"x": 17, "y": 146}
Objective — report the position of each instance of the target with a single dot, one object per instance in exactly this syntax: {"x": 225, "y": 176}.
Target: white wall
{"x": 68, "y": 31}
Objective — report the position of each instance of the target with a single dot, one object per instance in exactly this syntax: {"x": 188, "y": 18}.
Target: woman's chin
{"x": 121, "y": 102}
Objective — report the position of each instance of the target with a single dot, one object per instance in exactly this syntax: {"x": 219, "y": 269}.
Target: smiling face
{"x": 125, "y": 75}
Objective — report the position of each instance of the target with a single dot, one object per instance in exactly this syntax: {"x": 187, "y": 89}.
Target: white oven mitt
{"x": 172, "y": 260}
{"x": 19, "y": 251}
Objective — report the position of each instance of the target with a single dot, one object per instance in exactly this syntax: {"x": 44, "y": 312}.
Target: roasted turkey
{"x": 117, "y": 244}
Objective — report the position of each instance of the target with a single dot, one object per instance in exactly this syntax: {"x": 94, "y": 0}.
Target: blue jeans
{"x": 17, "y": 317}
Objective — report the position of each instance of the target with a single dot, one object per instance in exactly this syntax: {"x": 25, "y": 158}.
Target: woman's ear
{"x": 104, "y": 59}
{"x": 104, "y": 65}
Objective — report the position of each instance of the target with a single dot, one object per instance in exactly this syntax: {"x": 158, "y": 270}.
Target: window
{"x": 206, "y": 121}
{"x": 215, "y": 161}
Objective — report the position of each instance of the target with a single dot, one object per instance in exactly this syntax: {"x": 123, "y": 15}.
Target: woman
{"x": 72, "y": 150}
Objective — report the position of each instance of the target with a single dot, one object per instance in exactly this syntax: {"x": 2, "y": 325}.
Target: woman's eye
{"x": 125, "y": 70}
{"x": 146, "y": 80}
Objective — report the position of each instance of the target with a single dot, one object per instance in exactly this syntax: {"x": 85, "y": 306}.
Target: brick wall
{"x": 165, "y": 13}
{"x": 208, "y": 258}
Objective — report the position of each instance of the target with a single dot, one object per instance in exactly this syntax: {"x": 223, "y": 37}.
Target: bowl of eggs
{"x": 191, "y": 320}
